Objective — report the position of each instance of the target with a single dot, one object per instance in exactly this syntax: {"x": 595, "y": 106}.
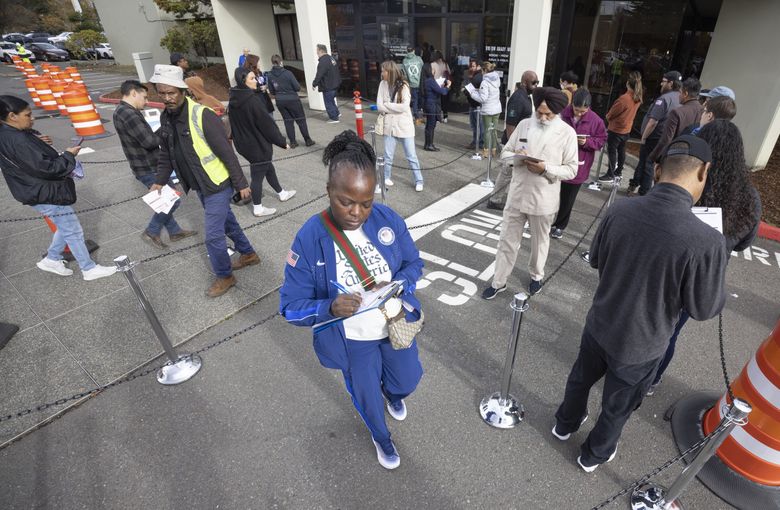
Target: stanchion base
{"x": 183, "y": 370}
{"x": 595, "y": 186}
{"x": 501, "y": 413}
{"x": 585, "y": 256}
{"x": 7, "y": 331}
{"x": 476, "y": 157}
{"x": 725, "y": 483}
{"x": 487, "y": 184}
{"x": 651, "y": 497}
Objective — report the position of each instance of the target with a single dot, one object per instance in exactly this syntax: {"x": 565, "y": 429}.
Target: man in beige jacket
{"x": 534, "y": 192}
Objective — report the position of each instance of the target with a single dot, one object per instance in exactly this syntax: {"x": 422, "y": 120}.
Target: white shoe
{"x": 385, "y": 460}
{"x": 259, "y": 210}
{"x": 333, "y": 121}
{"x": 378, "y": 189}
{"x": 98, "y": 272}
{"x": 397, "y": 410}
{"x": 388, "y": 182}
{"x": 590, "y": 469}
{"x": 54, "y": 266}
{"x": 285, "y": 195}
{"x": 418, "y": 186}
{"x": 564, "y": 437}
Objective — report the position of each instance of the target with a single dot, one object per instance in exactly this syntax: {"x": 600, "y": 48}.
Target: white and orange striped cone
{"x": 83, "y": 114}
{"x": 746, "y": 469}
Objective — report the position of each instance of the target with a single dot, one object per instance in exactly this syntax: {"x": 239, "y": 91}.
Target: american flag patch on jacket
{"x": 292, "y": 258}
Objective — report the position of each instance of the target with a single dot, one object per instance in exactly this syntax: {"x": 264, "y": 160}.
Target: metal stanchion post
{"x": 656, "y": 497}
{"x": 477, "y": 156}
{"x": 487, "y": 183}
{"x": 612, "y": 194}
{"x": 373, "y": 137}
{"x": 502, "y": 410}
{"x": 595, "y": 185}
{"x": 380, "y": 177}
{"x": 183, "y": 366}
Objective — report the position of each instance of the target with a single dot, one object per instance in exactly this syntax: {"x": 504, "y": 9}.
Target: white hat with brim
{"x": 168, "y": 75}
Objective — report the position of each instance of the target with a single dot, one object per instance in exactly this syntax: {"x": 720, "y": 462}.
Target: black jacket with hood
{"x": 35, "y": 172}
{"x": 328, "y": 76}
{"x": 253, "y": 129}
{"x": 283, "y": 85}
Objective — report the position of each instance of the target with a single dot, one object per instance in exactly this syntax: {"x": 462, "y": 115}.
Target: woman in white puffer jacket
{"x": 489, "y": 94}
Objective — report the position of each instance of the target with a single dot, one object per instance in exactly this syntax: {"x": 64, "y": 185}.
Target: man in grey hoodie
{"x": 413, "y": 69}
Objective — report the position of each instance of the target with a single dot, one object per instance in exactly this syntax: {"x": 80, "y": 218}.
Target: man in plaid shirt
{"x": 142, "y": 148}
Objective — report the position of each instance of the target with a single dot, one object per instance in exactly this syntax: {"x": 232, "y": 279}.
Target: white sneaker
{"x": 259, "y": 210}
{"x": 385, "y": 460}
{"x": 54, "y": 266}
{"x": 388, "y": 182}
{"x": 590, "y": 469}
{"x": 418, "y": 186}
{"x": 333, "y": 121}
{"x": 285, "y": 195}
{"x": 378, "y": 189}
{"x": 98, "y": 272}
{"x": 397, "y": 410}
{"x": 564, "y": 437}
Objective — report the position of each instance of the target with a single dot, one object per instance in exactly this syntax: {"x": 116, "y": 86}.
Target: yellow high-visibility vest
{"x": 214, "y": 167}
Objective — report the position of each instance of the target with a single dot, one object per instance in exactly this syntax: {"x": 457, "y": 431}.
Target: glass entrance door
{"x": 464, "y": 43}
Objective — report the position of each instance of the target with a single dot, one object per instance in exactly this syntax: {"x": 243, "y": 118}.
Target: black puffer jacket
{"x": 253, "y": 129}
{"x": 35, "y": 172}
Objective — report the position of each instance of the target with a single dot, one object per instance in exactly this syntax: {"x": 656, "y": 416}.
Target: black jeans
{"x": 292, "y": 112}
{"x": 616, "y": 152}
{"x": 430, "y": 121}
{"x": 643, "y": 175}
{"x": 568, "y": 196}
{"x": 260, "y": 171}
{"x": 624, "y": 388}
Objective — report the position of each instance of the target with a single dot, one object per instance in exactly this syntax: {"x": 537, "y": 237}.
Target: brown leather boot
{"x": 246, "y": 259}
{"x": 220, "y": 286}
{"x": 183, "y": 234}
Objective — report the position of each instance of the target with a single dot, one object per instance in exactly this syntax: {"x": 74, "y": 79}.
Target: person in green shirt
{"x": 412, "y": 65}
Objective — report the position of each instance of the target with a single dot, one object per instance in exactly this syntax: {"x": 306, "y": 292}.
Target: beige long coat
{"x": 556, "y": 145}
{"x": 398, "y": 121}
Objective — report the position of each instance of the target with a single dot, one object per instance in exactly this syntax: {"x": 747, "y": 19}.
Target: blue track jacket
{"x": 306, "y": 295}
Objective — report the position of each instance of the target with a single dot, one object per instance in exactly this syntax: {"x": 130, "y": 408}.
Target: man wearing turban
{"x": 543, "y": 152}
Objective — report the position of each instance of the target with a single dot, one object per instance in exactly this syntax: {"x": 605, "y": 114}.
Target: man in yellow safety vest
{"x": 194, "y": 142}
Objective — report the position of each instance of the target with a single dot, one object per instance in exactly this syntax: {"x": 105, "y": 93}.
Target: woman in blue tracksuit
{"x": 433, "y": 95}
{"x": 375, "y": 374}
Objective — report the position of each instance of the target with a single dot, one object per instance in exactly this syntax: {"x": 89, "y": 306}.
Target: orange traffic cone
{"x": 66, "y": 253}
{"x": 746, "y": 469}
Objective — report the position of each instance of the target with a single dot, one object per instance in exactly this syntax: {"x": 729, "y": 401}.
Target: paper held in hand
{"x": 712, "y": 216}
{"x": 370, "y": 299}
{"x": 163, "y": 201}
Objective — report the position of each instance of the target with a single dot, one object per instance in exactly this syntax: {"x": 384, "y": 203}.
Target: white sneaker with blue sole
{"x": 397, "y": 410}
{"x": 391, "y": 461}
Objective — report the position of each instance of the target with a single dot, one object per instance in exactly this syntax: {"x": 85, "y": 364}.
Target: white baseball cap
{"x": 168, "y": 75}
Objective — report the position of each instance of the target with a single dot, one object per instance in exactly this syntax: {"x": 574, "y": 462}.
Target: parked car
{"x": 73, "y": 55}
{"x": 38, "y": 35}
{"x": 103, "y": 50}
{"x": 47, "y": 52}
{"x": 8, "y": 48}
{"x": 15, "y": 37}
{"x": 61, "y": 37}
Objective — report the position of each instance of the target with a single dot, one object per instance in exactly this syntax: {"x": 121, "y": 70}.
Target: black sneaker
{"x": 556, "y": 233}
{"x": 631, "y": 189}
{"x": 491, "y": 292}
{"x": 535, "y": 287}
{"x": 495, "y": 206}
{"x": 310, "y": 142}
{"x": 607, "y": 177}
{"x": 293, "y": 145}
{"x": 651, "y": 389}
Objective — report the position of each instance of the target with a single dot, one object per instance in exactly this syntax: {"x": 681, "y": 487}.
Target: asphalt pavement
{"x": 263, "y": 425}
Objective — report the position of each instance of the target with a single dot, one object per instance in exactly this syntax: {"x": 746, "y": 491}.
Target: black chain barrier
{"x": 89, "y": 209}
{"x": 723, "y": 357}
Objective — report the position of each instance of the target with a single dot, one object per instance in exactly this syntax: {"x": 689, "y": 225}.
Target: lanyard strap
{"x": 346, "y": 247}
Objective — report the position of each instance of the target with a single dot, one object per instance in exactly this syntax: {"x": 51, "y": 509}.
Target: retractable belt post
{"x": 380, "y": 177}
{"x": 595, "y": 185}
{"x": 501, "y": 409}
{"x": 476, "y": 155}
{"x": 656, "y": 497}
{"x": 183, "y": 366}
{"x": 487, "y": 183}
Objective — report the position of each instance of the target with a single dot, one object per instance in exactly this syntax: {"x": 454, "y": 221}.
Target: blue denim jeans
{"x": 474, "y": 122}
{"x": 160, "y": 220}
{"x": 69, "y": 233}
{"x": 416, "y": 102}
{"x": 411, "y": 156}
{"x": 221, "y": 222}
{"x": 329, "y": 96}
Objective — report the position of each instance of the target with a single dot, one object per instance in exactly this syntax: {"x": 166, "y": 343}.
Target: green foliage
{"x": 84, "y": 39}
{"x": 198, "y": 35}
{"x": 197, "y": 9}
{"x": 51, "y": 16}
{"x": 86, "y": 20}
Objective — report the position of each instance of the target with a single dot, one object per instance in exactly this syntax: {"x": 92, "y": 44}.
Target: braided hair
{"x": 348, "y": 150}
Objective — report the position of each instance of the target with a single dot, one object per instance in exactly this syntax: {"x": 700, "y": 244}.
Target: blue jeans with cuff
{"x": 69, "y": 233}
{"x": 409, "y": 151}
{"x": 160, "y": 220}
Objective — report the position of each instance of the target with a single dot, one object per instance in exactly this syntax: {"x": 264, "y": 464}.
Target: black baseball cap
{"x": 696, "y": 147}
{"x": 673, "y": 76}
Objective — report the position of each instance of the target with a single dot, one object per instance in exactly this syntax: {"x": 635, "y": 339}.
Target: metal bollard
{"x": 380, "y": 177}
{"x": 502, "y": 410}
{"x": 595, "y": 185}
{"x": 183, "y": 366}
{"x": 656, "y": 497}
{"x": 487, "y": 183}
{"x": 372, "y": 131}
{"x": 477, "y": 156}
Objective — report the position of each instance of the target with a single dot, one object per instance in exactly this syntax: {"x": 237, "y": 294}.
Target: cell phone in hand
{"x": 81, "y": 140}
{"x": 236, "y": 197}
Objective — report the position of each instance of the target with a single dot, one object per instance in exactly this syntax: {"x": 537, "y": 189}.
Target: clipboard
{"x": 371, "y": 300}
{"x": 712, "y": 216}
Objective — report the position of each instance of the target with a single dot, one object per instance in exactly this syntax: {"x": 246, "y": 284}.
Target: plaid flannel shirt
{"x": 139, "y": 143}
